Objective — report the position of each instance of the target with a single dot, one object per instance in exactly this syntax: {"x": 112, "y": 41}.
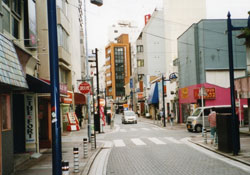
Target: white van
{"x": 195, "y": 122}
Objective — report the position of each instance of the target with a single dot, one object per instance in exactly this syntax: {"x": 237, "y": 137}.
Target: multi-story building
{"x": 18, "y": 61}
{"x": 150, "y": 56}
{"x": 118, "y": 67}
{"x": 24, "y": 62}
{"x": 70, "y": 55}
{"x": 203, "y": 62}
{"x": 178, "y": 16}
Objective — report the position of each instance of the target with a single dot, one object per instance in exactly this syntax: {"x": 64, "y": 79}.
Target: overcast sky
{"x": 99, "y": 18}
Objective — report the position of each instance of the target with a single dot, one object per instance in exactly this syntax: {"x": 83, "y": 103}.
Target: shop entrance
{"x": 44, "y": 123}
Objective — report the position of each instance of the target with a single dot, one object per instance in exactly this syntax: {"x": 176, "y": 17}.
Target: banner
{"x": 103, "y": 115}
{"x": 30, "y": 133}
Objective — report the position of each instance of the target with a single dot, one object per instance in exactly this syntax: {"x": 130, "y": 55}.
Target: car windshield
{"x": 129, "y": 113}
{"x": 196, "y": 112}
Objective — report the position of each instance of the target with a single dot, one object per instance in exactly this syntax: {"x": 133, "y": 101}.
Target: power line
{"x": 188, "y": 43}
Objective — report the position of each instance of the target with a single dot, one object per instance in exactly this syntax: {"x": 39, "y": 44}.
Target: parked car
{"x": 195, "y": 121}
{"x": 129, "y": 117}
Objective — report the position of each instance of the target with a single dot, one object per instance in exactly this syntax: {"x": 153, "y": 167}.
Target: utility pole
{"x": 55, "y": 90}
{"x": 163, "y": 100}
{"x": 97, "y": 123}
{"x": 87, "y": 69}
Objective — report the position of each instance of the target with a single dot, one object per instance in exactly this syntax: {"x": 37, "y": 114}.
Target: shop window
{"x": 5, "y": 112}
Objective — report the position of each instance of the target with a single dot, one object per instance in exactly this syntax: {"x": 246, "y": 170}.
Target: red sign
{"x": 146, "y": 18}
{"x": 84, "y": 88}
{"x": 210, "y": 93}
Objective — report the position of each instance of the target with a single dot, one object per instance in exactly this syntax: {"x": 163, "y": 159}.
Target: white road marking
{"x": 119, "y": 143}
{"x": 156, "y": 141}
{"x": 146, "y": 129}
{"x": 138, "y": 142}
{"x": 157, "y": 129}
{"x": 123, "y": 130}
{"x": 133, "y": 129}
{"x": 171, "y": 139}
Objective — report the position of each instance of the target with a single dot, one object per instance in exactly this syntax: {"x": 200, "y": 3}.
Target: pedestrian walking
{"x": 161, "y": 117}
{"x": 212, "y": 122}
{"x": 172, "y": 115}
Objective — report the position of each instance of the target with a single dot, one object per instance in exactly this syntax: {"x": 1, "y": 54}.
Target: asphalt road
{"x": 145, "y": 149}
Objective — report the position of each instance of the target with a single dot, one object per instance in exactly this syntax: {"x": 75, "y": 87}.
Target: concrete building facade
{"x": 203, "y": 61}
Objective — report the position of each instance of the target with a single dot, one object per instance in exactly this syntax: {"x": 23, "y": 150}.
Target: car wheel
{"x": 135, "y": 122}
{"x": 198, "y": 128}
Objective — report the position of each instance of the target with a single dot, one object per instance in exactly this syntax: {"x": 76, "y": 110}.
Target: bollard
{"x": 92, "y": 141}
{"x": 76, "y": 159}
{"x": 205, "y": 135}
{"x": 65, "y": 167}
{"x": 85, "y": 148}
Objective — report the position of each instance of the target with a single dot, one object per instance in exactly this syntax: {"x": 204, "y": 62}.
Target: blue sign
{"x": 131, "y": 82}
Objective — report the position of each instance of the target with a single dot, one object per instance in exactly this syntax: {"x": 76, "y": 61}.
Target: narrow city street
{"x": 146, "y": 149}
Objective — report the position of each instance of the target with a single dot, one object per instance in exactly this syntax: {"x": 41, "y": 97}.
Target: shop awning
{"x": 153, "y": 94}
{"x": 37, "y": 85}
{"x": 80, "y": 99}
{"x": 11, "y": 72}
{"x": 242, "y": 86}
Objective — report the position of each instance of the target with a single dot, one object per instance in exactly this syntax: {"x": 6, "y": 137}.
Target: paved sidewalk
{"x": 244, "y": 154}
{"x": 43, "y": 164}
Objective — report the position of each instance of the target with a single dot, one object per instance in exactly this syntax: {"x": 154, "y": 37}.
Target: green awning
{"x": 11, "y": 72}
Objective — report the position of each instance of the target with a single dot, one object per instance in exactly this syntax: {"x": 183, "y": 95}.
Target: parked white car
{"x": 129, "y": 117}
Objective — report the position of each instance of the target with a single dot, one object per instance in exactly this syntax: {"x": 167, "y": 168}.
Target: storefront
{"x": 189, "y": 98}
{"x": 153, "y": 100}
{"x": 12, "y": 80}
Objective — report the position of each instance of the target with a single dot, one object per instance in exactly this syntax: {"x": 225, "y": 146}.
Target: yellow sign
{"x": 184, "y": 93}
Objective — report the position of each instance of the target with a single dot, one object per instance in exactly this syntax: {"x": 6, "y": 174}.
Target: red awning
{"x": 80, "y": 99}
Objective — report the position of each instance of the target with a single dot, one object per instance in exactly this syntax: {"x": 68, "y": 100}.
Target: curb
{"x": 90, "y": 161}
{"x": 220, "y": 153}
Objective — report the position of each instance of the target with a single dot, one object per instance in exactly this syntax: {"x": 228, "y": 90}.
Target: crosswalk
{"x": 141, "y": 129}
{"x": 146, "y": 141}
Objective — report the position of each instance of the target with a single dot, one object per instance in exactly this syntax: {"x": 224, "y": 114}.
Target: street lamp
{"x": 172, "y": 76}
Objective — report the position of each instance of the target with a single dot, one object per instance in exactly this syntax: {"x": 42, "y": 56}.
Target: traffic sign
{"x": 84, "y": 87}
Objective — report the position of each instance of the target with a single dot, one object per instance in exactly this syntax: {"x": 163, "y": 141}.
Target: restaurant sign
{"x": 209, "y": 91}
{"x": 30, "y": 119}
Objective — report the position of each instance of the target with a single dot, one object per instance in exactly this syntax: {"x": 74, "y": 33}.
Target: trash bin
{"x": 224, "y": 132}
{"x": 97, "y": 122}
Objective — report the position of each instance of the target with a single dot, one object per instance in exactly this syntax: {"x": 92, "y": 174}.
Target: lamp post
{"x": 235, "y": 127}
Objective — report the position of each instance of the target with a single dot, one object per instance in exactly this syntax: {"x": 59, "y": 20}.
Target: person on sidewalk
{"x": 172, "y": 115}
{"x": 212, "y": 122}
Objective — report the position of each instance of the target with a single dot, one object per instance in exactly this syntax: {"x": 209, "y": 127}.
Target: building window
{"x": 11, "y": 16}
{"x": 139, "y": 48}
{"x": 140, "y": 63}
{"x": 63, "y": 37}
{"x": 5, "y": 111}
{"x": 16, "y": 7}
{"x": 63, "y": 76}
{"x": 119, "y": 71}
{"x": 108, "y": 74}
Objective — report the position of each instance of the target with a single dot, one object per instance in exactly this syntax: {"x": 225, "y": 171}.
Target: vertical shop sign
{"x": 29, "y": 119}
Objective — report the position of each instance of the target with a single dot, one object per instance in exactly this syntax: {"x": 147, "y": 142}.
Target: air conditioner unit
{"x": 97, "y": 2}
